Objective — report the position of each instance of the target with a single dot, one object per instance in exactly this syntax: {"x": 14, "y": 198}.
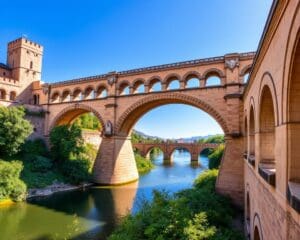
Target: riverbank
{"x": 54, "y": 188}
{"x": 193, "y": 213}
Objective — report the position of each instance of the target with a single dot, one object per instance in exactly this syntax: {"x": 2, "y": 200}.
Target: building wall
{"x": 270, "y": 210}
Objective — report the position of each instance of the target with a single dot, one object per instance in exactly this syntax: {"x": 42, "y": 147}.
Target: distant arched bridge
{"x": 168, "y": 148}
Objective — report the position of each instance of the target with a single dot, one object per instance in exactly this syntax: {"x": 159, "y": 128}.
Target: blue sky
{"x": 94, "y": 37}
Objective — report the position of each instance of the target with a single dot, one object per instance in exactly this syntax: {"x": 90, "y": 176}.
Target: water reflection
{"x": 93, "y": 213}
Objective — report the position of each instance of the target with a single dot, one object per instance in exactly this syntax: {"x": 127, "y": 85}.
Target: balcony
{"x": 267, "y": 171}
{"x": 251, "y": 160}
{"x": 293, "y": 195}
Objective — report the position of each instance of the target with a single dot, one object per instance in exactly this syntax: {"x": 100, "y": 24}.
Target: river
{"x": 93, "y": 213}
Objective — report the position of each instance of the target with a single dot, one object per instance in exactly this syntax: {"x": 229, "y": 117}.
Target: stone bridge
{"x": 168, "y": 148}
{"x": 120, "y": 99}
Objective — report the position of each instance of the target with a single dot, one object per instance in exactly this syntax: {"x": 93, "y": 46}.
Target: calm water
{"x": 93, "y": 213}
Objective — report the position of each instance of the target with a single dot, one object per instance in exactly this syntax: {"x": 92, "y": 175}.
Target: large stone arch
{"x": 72, "y": 111}
{"x": 135, "y": 111}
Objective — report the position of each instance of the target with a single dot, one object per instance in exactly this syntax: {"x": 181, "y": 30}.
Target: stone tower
{"x": 24, "y": 57}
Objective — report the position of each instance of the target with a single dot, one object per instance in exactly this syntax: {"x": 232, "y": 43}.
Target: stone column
{"x": 194, "y": 157}
{"x": 182, "y": 84}
{"x": 202, "y": 82}
{"x": 164, "y": 86}
{"x": 146, "y": 88}
{"x": 115, "y": 163}
{"x": 230, "y": 180}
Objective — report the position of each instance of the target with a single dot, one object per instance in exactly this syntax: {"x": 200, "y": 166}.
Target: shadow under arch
{"x": 136, "y": 111}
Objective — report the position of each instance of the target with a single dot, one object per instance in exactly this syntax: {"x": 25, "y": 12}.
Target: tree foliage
{"x": 10, "y": 184}
{"x": 14, "y": 130}
{"x": 65, "y": 141}
{"x": 216, "y": 156}
{"x": 218, "y": 138}
{"x": 88, "y": 121}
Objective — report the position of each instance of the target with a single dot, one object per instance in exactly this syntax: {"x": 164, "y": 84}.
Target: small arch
{"x": 213, "y": 80}
{"x": 66, "y": 96}
{"x": 172, "y": 81}
{"x": 77, "y": 94}
{"x": 267, "y": 126}
{"x": 150, "y": 152}
{"x": 12, "y": 96}
{"x": 293, "y": 114}
{"x": 246, "y": 136}
{"x": 252, "y": 124}
{"x": 248, "y": 214}
{"x": 89, "y": 92}
{"x": 213, "y": 72}
{"x": 124, "y": 88}
{"x": 155, "y": 84}
{"x": 2, "y": 94}
{"x": 245, "y": 73}
{"x": 179, "y": 148}
{"x": 36, "y": 99}
{"x": 192, "y": 80}
{"x": 101, "y": 91}
{"x": 138, "y": 86}
{"x": 55, "y": 97}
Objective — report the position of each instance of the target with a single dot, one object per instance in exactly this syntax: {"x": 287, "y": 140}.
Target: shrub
{"x": 143, "y": 165}
{"x": 14, "y": 130}
{"x": 10, "y": 184}
{"x": 76, "y": 170}
{"x": 196, "y": 213}
{"x": 215, "y": 157}
{"x": 35, "y": 147}
{"x": 65, "y": 141}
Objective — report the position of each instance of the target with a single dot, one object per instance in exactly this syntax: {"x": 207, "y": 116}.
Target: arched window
{"x": 138, "y": 87}
{"x": 12, "y": 96}
{"x": 173, "y": 83}
{"x": 251, "y": 137}
{"x": 2, "y": 94}
{"x": 248, "y": 214}
{"x": 55, "y": 97}
{"x": 267, "y": 137}
{"x": 245, "y": 138}
{"x": 31, "y": 65}
{"x": 36, "y": 99}
{"x": 66, "y": 96}
{"x": 256, "y": 234}
{"x": 192, "y": 82}
{"x": 155, "y": 85}
{"x": 293, "y": 106}
{"x": 89, "y": 93}
{"x": 212, "y": 80}
{"x": 124, "y": 89}
{"x": 77, "y": 95}
{"x": 101, "y": 92}
{"x": 245, "y": 77}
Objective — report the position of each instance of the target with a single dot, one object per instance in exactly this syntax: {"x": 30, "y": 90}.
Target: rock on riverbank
{"x": 53, "y": 188}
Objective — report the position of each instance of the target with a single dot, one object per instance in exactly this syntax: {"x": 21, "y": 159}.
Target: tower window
{"x": 31, "y": 64}
{"x": 4, "y": 73}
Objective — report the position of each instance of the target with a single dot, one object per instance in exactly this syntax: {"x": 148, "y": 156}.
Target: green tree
{"x": 216, "y": 156}
{"x": 88, "y": 121}
{"x": 10, "y": 184}
{"x": 14, "y": 130}
{"x": 66, "y": 141}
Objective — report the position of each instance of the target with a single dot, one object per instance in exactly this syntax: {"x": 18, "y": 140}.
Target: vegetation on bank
{"x": 143, "y": 165}
{"x": 195, "y": 213}
{"x": 215, "y": 157}
{"x": 28, "y": 164}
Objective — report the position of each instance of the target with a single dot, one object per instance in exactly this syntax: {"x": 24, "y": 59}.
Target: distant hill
{"x": 188, "y": 140}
